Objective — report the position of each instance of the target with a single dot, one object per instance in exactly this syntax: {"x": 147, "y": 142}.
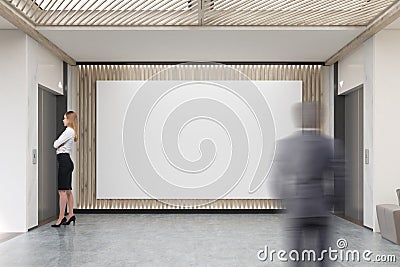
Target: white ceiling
{"x": 199, "y": 44}
{"x": 266, "y": 44}
{"x": 209, "y": 43}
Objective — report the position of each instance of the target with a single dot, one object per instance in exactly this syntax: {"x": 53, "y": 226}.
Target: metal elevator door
{"x": 354, "y": 155}
{"x": 47, "y": 202}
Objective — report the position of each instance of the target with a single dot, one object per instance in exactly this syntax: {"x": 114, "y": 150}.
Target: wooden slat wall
{"x": 200, "y": 12}
{"x": 311, "y": 75}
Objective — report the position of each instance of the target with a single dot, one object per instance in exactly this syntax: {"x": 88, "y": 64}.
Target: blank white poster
{"x": 190, "y": 139}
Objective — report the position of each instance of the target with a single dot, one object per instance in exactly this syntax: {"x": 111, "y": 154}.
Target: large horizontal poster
{"x": 190, "y": 139}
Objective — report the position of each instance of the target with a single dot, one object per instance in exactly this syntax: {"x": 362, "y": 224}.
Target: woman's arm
{"x": 64, "y": 137}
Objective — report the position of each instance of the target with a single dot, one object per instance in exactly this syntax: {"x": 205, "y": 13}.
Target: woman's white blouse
{"x": 66, "y": 138}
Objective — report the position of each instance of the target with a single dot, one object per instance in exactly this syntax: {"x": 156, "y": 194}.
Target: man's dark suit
{"x": 304, "y": 159}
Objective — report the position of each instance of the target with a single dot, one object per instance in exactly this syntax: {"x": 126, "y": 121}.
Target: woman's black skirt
{"x": 65, "y": 168}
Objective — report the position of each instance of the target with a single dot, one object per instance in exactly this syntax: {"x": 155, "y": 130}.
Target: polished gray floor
{"x": 174, "y": 240}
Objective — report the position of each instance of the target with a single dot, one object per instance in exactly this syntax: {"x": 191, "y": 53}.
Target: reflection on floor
{"x": 175, "y": 240}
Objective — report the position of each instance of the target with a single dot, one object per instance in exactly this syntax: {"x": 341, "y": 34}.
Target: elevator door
{"x": 354, "y": 156}
{"x": 47, "y": 203}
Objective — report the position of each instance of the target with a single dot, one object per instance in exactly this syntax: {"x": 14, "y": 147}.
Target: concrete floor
{"x": 174, "y": 240}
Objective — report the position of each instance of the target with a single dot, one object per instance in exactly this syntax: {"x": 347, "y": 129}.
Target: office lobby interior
{"x": 209, "y": 132}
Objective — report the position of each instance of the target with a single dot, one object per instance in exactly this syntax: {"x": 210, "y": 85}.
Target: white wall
{"x": 379, "y": 57}
{"x": 45, "y": 69}
{"x": 14, "y": 131}
{"x": 327, "y": 101}
{"x": 351, "y": 70}
{"x": 368, "y": 105}
{"x": 354, "y": 70}
{"x": 19, "y": 72}
{"x": 386, "y": 113}
{"x": 32, "y": 135}
{"x": 49, "y": 70}
{"x": 73, "y": 105}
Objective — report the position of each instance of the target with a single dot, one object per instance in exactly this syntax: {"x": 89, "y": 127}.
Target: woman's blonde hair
{"x": 72, "y": 122}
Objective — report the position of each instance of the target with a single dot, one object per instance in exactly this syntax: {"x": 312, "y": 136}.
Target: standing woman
{"x": 65, "y": 167}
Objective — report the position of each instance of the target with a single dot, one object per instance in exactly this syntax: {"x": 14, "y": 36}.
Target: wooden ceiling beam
{"x": 30, "y": 30}
{"x": 387, "y": 17}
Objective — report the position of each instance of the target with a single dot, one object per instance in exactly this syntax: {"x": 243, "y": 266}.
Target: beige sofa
{"x": 398, "y": 195}
{"x": 389, "y": 220}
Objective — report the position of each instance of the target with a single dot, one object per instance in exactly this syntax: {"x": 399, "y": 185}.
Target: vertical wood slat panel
{"x": 81, "y": 139}
{"x": 78, "y": 145}
{"x": 303, "y": 77}
{"x": 313, "y": 89}
{"x": 86, "y": 98}
{"x": 85, "y": 143}
{"x": 93, "y": 136}
{"x": 88, "y": 146}
{"x": 88, "y": 137}
{"x": 91, "y": 119}
{"x": 320, "y": 95}
{"x": 100, "y": 203}
{"x": 85, "y": 137}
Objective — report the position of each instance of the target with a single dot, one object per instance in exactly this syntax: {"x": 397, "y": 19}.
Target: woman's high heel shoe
{"x": 72, "y": 219}
{"x": 62, "y": 222}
